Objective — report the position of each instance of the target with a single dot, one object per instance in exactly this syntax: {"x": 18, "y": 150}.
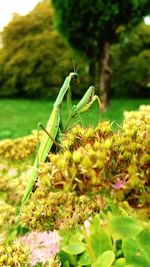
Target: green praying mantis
{"x": 54, "y": 126}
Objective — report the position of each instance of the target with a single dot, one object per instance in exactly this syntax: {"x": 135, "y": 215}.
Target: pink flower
{"x": 87, "y": 225}
{"x": 118, "y": 184}
{"x": 43, "y": 246}
{"x": 13, "y": 172}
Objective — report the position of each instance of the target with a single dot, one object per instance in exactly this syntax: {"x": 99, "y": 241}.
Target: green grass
{"x": 20, "y": 117}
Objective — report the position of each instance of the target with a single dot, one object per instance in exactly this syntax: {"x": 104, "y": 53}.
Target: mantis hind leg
{"x": 56, "y": 146}
{"x": 50, "y": 136}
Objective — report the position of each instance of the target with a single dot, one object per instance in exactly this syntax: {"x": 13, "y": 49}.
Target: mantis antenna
{"x": 75, "y": 69}
{"x": 81, "y": 60}
{"x": 73, "y": 64}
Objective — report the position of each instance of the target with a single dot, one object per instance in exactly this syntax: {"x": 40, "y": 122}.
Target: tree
{"x": 34, "y": 59}
{"x": 95, "y": 25}
{"x": 131, "y": 63}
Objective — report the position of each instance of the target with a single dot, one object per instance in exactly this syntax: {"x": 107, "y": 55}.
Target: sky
{"x": 147, "y": 20}
{"x": 8, "y": 7}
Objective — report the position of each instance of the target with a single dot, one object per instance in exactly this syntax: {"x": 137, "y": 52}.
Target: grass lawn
{"x": 20, "y": 117}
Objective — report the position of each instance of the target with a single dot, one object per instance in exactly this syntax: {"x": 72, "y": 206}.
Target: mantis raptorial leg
{"x": 54, "y": 125}
{"x": 84, "y": 105}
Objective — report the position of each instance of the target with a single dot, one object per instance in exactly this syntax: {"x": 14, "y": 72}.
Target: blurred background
{"x": 109, "y": 43}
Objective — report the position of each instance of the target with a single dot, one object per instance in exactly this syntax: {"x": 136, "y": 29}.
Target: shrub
{"x": 19, "y": 148}
{"x": 38, "y": 59}
{"x": 94, "y": 161}
{"x": 130, "y": 63}
{"x": 94, "y": 190}
{"x": 14, "y": 254}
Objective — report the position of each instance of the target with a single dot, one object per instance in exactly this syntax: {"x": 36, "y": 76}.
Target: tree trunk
{"x": 105, "y": 73}
{"x": 92, "y": 72}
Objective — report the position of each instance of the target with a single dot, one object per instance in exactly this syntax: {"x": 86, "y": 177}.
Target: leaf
{"x": 67, "y": 259}
{"x": 105, "y": 260}
{"x": 136, "y": 250}
{"x": 100, "y": 240}
{"x": 73, "y": 236}
{"x": 124, "y": 227}
{"x": 85, "y": 259}
{"x": 66, "y": 264}
{"x": 74, "y": 248}
{"x": 144, "y": 239}
{"x": 120, "y": 262}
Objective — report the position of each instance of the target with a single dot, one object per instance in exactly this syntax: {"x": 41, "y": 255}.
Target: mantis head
{"x": 74, "y": 76}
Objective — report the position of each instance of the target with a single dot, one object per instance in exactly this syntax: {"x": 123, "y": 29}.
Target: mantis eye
{"x": 76, "y": 77}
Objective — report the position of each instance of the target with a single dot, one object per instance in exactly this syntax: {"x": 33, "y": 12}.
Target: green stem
{"x": 89, "y": 248}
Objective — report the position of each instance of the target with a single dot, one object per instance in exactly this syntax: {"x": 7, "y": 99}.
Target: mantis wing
{"x": 45, "y": 146}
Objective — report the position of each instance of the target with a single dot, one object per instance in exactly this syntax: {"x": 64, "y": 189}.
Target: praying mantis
{"x": 54, "y": 125}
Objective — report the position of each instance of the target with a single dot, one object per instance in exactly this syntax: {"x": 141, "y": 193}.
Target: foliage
{"x": 102, "y": 20}
{"x": 96, "y": 244}
{"x": 130, "y": 63}
{"x": 100, "y": 241}
{"x": 38, "y": 59}
{"x": 94, "y": 28}
{"x": 93, "y": 191}
{"x": 93, "y": 161}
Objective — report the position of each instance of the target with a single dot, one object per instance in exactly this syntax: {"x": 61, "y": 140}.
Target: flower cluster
{"x": 14, "y": 254}
{"x": 43, "y": 246}
{"x": 7, "y": 215}
{"x": 59, "y": 210}
{"x": 18, "y": 148}
{"x": 13, "y": 180}
{"x": 92, "y": 162}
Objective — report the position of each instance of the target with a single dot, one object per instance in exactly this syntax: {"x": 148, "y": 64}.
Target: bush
{"x": 34, "y": 58}
{"x": 94, "y": 161}
{"x": 131, "y": 64}
{"x": 95, "y": 191}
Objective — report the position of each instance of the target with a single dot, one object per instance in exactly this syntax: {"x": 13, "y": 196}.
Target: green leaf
{"x": 74, "y": 248}
{"x": 67, "y": 259}
{"x": 85, "y": 259}
{"x": 66, "y": 264}
{"x": 105, "y": 260}
{"x": 124, "y": 227}
{"x": 100, "y": 240}
{"x": 136, "y": 250}
{"x": 144, "y": 239}
{"x": 120, "y": 263}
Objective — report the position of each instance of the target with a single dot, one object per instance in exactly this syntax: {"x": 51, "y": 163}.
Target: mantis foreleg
{"x": 84, "y": 105}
